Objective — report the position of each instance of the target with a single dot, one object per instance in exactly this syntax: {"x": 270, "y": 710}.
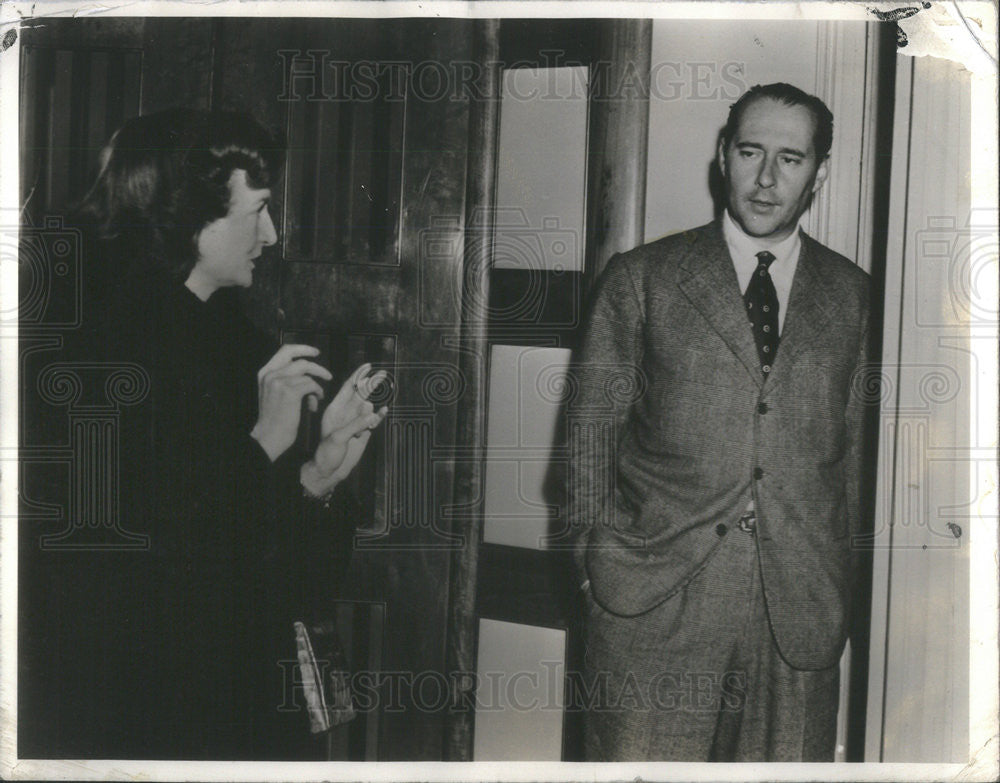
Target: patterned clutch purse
{"x": 324, "y": 676}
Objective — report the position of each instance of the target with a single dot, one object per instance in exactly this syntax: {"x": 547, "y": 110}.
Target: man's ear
{"x": 822, "y": 172}
{"x": 720, "y": 156}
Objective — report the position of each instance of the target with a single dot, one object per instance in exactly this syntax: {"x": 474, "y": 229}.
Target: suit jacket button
{"x": 720, "y": 530}
{"x": 762, "y": 408}
{"x": 758, "y": 473}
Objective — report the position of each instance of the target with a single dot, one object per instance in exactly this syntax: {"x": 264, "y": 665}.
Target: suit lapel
{"x": 707, "y": 278}
{"x": 809, "y": 313}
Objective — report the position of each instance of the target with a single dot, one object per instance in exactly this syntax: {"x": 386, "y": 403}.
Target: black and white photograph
{"x": 499, "y": 391}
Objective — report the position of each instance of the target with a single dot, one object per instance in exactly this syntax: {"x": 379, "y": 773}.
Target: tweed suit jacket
{"x": 673, "y": 429}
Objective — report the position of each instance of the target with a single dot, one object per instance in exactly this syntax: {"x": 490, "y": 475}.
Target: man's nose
{"x": 265, "y": 229}
{"x": 765, "y": 176}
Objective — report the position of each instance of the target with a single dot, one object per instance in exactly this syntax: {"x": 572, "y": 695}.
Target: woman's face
{"x": 228, "y": 246}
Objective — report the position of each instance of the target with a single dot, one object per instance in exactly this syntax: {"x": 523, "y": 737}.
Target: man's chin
{"x": 760, "y": 231}
{"x": 762, "y": 228}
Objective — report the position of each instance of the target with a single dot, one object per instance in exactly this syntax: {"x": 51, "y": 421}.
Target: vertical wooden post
{"x": 484, "y": 114}
{"x": 619, "y": 132}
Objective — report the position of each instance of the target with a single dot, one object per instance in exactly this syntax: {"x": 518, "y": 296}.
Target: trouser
{"x": 699, "y": 678}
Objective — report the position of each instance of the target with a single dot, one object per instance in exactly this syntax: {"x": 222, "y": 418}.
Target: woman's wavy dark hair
{"x": 165, "y": 176}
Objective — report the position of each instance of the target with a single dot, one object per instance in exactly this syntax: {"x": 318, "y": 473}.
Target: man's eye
{"x": 747, "y": 153}
{"x": 791, "y": 161}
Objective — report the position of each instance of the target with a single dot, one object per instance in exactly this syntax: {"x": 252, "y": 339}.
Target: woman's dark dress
{"x": 186, "y": 650}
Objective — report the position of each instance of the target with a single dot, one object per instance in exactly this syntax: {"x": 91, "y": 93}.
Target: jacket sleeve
{"x": 863, "y": 393}
{"x": 297, "y": 546}
{"x": 299, "y": 541}
{"x": 861, "y": 419}
{"x": 605, "y": 378}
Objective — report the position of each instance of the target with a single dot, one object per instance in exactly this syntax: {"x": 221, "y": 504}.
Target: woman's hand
{"x": 345, "y": 430}
{"x": 282, "y": 383}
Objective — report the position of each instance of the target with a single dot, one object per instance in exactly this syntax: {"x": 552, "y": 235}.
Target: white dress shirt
{"x": 743, "y": 249}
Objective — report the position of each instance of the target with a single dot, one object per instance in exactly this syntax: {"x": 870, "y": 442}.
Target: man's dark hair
{"x": 789, "y": 96}
{"x": 165, "y": 176}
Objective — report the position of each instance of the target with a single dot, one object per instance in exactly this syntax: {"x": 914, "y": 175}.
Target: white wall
{"x": 541, "y": 169}
{"x": 927, "y": 511}
{"x": 699, "y": 68}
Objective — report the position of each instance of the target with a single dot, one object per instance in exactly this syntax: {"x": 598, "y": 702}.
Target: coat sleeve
{"x": 294, "y": 545}
{"x": 298, "y": 540}
{"x": 303, "y": 543}
{"x": 863, "y": 391}
{"x": 861, "y": 419}
{"x": 605, "y": 378}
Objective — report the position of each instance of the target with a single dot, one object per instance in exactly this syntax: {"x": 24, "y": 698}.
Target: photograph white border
{"x": 983, "y": 705}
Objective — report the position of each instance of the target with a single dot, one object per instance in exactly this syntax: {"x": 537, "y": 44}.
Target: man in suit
{"x": 715, "y": 470}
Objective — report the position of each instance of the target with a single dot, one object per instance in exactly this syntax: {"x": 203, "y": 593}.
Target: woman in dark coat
{"x": 185, "y": 649}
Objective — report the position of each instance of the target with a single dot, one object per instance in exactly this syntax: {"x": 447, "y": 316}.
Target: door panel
{"x": 373, "y": 191}
{"x": 81, "y": 88}
{"x": 344, "y": 173}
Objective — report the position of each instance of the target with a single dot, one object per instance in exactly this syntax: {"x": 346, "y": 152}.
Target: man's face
{"x": 228, "y": 246}
{"x": 771, "y": 168}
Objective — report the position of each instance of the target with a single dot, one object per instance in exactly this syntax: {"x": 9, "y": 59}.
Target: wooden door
{"x": 368, "y": 267}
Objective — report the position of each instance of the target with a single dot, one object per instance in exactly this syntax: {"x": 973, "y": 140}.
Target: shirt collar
{"x": 744, "y": 248}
